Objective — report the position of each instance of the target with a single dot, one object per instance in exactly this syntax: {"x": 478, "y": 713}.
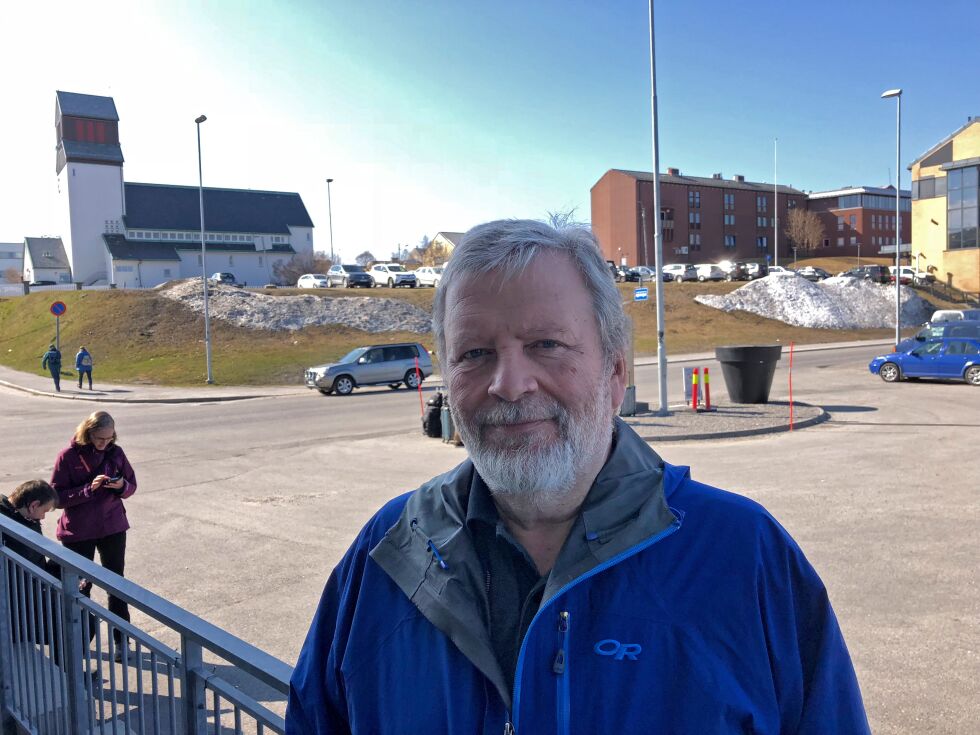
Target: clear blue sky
{"x": 436, "y": 115}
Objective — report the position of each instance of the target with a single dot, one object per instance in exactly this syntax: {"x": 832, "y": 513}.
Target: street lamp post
{"x": 897, "y": 94}
{"x": 658, "y": 254}
{"x": 330, "y": 217}
{"x": 204, "y": 252}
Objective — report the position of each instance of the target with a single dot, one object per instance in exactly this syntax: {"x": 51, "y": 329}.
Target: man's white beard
{"x": 525, "y": 467}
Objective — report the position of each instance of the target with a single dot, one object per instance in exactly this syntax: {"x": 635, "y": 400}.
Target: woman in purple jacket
{"x": 92, "y": 477}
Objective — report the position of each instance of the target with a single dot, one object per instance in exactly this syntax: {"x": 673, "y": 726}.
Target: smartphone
{"x": 117, "y": 478}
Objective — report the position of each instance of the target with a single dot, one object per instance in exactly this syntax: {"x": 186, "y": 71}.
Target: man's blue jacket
{"x": 679, "y": 609}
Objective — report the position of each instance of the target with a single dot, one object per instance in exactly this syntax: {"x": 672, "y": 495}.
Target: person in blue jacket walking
{"x": 564, "y": 578}
{"x": 83, "y": 366}
{"x": 51, "y": 361}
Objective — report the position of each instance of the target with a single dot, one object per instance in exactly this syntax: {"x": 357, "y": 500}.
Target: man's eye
{"x": 475, "y": 354}
{"x": 547, "y": 344}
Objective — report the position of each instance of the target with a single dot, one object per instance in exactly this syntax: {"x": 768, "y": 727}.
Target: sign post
{"x": 58, "y": 308}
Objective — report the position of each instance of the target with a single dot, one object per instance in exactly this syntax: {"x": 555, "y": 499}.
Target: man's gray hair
{"x": 509, "y": 246}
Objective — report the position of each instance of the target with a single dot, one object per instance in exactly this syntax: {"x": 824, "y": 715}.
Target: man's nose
{"x": 513, "y": 376}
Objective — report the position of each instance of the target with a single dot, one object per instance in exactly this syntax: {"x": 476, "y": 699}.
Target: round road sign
{"x": 58, "y": 308}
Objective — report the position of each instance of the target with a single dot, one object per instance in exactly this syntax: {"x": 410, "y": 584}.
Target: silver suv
{"x": 391, "y": 275}
{"x": 391, "y": 365}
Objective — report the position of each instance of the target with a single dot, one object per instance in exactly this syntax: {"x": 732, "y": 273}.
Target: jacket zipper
{"x": 560, "y": 667}
{"x": 578, "y": 580}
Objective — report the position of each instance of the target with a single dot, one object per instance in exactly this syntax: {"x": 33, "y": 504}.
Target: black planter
{"x": 748, "y": 371}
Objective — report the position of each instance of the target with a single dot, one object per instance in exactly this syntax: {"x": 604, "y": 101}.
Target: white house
{"x": 11, "y": 259}
{"x": 45, "y": 260}
{"x": 140, "y": 235}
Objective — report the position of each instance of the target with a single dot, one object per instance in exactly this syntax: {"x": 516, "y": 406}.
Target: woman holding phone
{"x": 92, "y": 477}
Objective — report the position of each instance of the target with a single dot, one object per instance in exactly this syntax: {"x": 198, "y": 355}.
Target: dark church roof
{"x": 87, "y": 105}
{"x": 122, "y": 249}
{"x": 165, "y": 207}
{"x": 78, "y": 150}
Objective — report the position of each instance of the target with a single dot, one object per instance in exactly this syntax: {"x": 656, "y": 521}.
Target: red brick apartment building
{"x": 704, "y": 219}
{"x": 860, "y": 220}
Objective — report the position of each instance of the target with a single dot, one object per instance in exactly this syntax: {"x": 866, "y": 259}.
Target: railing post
{"x": 75, "y": 650}
{"x": 192, "y": 687}
{"x": 6, "y": 654}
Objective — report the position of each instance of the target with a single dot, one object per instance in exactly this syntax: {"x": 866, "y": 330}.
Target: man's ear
{"x": 617, "y": 381}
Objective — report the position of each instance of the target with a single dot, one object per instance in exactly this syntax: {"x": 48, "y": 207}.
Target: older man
{"x": 564, "y": 579}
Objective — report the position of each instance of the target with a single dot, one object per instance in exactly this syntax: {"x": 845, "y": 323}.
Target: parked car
{"x": 709, "y": 272}
{"x": 33, "y": 284}
{"x": 756, "y": 270}
{"x": 681, "y": 272}
{"x": 312, "y": 280}
{"x": 947, "y": 359}
{"x": 962, "y": 329}
{"x": 908, "y": 274}
{"x": 392, "y": 275}
{"x": 812, "y": 273}
{"x": 874, "y": 273}
{"x": 947, "y": 315}
{"x": 617, "y": 276}
{"x": 735, "y": 270}
{"x": 972, "y": 315}
{"x": 348, "y": 276}
{"x": 428, "y": 275}
{"x": 778, "y": 270}
{"x": 225, "y": 279}
{"x": 634, "y": 275}
{"x": 392, "y": 365}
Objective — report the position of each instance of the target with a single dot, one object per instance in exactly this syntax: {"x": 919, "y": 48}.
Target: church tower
{"x": 90, "y": 181}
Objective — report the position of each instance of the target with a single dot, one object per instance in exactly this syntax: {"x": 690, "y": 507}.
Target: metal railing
{"x": 68, "y": 666}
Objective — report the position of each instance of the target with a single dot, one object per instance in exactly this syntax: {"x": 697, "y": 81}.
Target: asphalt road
{"x": 244, "y": 507}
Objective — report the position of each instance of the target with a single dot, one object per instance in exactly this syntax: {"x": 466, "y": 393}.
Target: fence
{"x": 70, "y": 667}
{"x": 950, "y": 293}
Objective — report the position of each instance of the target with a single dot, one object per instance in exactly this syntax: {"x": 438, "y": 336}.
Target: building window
{"x": 840, "y": 242}
{"x": 730, "y": 220}
{"x": 694, "y": 240}
{"x": 826, "y": 242}
{"x": 761, "y": 203}
{"x": 156, "y": 235}
{"x": 231, "y": 260}
{"x": 791, "y": 204}
{"x": 962, "y": 205}
{"x": 166, "y": 273}
{"x": 124, "y": 269}
{"x": 840, "y": 224}
{"x": 199, "y": 260}
{"x": 693, "y": 199}
{"x": 762, "y": 242}
{"x": 694, "y": 220}
{"x": 729, "y": 202}
{"x": 762, "y": 221}
{"x": 260, "y": 260}
{"x": 854, "y": 240}
{"x": 730, "y": 241}
{"x": 853, "y": 220}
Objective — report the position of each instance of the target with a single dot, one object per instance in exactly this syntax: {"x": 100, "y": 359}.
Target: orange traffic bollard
{"x": 694, "y": 389}
{"x": 707, "y": 391}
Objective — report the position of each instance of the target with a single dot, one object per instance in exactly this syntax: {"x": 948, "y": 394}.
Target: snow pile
{"x": 261, "y": 311}
{"x": 835, "y": 303}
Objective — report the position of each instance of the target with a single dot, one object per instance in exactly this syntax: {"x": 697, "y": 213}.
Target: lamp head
{"x": 329, "y": 180}
{"x": 201, "y": 119}
{"x": 891, "y": 93}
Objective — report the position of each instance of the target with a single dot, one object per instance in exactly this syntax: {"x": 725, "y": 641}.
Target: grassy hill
{"x": 141, "y": 337}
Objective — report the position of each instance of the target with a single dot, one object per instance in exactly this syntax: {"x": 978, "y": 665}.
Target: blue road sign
{"x": 641, "y": 294}
{"x": 58, "y": 308}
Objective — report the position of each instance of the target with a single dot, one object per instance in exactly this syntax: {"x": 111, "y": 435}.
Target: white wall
{"x": 301, "y": 238}
{"x": 255, "y": 269}
{"x": 92, "y": 194}
{"x": 143, "y": 274}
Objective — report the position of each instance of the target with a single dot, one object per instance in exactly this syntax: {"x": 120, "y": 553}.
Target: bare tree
{"x": 435, "y": 254}
{"x": 561, "y": 219}
{"x": 12, "y": 275}
{"x": 804, "y": 229}
{"x": 365, "y": 258}
{"x": 288, "y": 272}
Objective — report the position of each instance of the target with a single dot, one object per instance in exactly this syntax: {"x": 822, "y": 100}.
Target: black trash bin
{"x": 748, "y": 371}
{"x": 432, "y": 419}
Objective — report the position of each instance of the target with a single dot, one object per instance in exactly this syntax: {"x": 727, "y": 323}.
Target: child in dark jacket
{"x": 27, "y": 505}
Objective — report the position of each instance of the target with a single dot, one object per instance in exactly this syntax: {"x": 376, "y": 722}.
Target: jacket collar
{"x": 430, "y": 555}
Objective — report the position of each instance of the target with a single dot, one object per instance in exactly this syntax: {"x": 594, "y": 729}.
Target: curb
{"x": 778, "y": 429}
{"x": 94, "y": 398}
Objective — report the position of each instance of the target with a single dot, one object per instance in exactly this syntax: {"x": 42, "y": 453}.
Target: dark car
{"x": 756, "y": 270}
{"x": 813, "y": 273}
{"x": 349, "y": 276}
{"x": 873, "y": 273}
{"x": 633, "y": 275}
{"x": 735, "y": 270}
{"x": 947, "y": 359}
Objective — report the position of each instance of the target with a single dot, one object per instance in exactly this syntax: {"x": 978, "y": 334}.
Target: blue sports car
{"x": 948, "y": 359}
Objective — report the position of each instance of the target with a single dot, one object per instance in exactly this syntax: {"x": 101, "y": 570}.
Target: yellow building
{"x": 945, "y": 206}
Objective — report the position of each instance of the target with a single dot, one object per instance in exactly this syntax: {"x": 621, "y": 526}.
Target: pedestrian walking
{"x": 51, "y": 361}
{"x": 83, "y": 366}
{"x": 92, "y": 476}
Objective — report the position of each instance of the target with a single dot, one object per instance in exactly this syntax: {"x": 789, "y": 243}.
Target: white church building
{"x": 140, "y": 235}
